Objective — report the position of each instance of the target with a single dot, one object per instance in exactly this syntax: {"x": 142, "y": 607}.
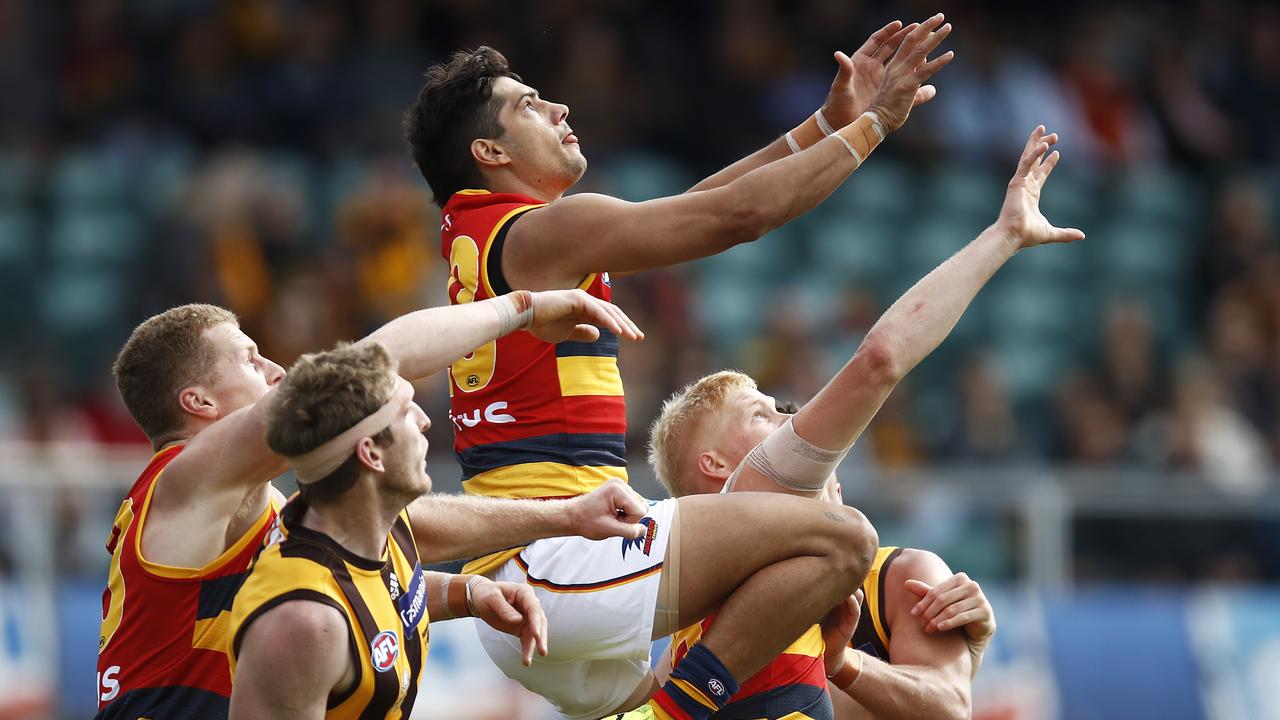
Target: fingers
{"x": 584, "y": 333}
{"x": 630, "y": 330}
{"x": 914, "y": 38}
{"x": 879, "y": 38}
{"x": 944, "y": 600}
{"x": 960, "y": 619}
{"x": 597, "y": 312}
{"x": 1047, "y": 165}
{"x": 1034, "y": 149}
{"x": 1066, "y": 235}
{"x": 924, "y": 94}
{"x": 927, "y": 70}
{"x": 933, "y": 593}
{"x": 918, "y": 588}
{"x": 930, "y": 43}
{"x": 886, "y": 51}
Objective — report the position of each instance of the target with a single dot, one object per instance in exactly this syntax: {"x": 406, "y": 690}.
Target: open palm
{"x": 1021, "y": 214}
{"x": 861, "y": 75}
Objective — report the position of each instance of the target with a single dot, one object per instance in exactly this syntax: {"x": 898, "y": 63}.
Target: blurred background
{"x": 1096, "y": 442}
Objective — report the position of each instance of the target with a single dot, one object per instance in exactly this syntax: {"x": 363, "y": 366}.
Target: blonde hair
{"x": 681, "y": 417}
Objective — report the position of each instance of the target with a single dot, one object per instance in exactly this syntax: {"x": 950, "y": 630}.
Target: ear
{"x": 370, "y": 455}
{"x": 713, "y": 468}
{"x": 489, "y": 154}
{"x": 198, "y": 401}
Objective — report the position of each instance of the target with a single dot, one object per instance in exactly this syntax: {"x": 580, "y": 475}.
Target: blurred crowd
{"x": 249, "y": 153}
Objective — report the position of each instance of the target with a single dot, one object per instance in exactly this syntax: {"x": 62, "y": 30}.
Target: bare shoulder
{"x": 291, "y": 659}
{"x": 306, "y": 625}
{"x": 916, "y": 564}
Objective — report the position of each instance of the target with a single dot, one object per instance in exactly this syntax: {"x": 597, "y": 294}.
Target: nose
{"x": 274, "y": 372}
{"x": 559, "y": 113}
{"x": 424, "y": 422}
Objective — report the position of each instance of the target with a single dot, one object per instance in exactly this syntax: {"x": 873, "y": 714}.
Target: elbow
{"x": 959, "y": 704}
{"x": 882, "y": 362}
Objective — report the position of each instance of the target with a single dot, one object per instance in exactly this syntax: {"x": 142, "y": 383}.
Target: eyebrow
{"x": 532, "y": 93}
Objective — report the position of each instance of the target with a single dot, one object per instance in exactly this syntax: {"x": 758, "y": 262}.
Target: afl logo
{"x": 473, "y": 380}
{"x": 716, "y": 687}
{"x": 384, "y": 650}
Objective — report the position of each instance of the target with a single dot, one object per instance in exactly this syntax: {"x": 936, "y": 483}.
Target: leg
{"x": 750, "y": 554}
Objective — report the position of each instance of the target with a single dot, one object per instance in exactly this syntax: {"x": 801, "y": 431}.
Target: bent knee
{"x": 855, "y": 542}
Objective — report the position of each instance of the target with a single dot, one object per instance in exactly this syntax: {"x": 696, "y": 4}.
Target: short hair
{"x": 322, "y": 396}
{"x": 678, "y": 423}
{"x": 454, "y": 107}
{"x": 163, "y": 355}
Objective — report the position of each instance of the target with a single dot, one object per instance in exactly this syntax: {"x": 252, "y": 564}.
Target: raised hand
{"x": 903, "y": 84}
{"x": 860, "y": 75}
{"x": 511, "y": 608}
{"x": 1020, "y": 216}
{"x": 560, "y": 315}
{"x": 611, "y": 510}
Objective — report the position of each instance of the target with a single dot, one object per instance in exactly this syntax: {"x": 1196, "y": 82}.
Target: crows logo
{"x": 645, "y": 543}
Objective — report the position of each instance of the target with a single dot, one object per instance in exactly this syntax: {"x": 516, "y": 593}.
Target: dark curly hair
{"x": 454, "y": 107}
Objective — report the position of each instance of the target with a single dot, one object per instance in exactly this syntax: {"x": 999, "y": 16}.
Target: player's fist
{"x": 611, "y": 510}
{"x": 837, "y": 630}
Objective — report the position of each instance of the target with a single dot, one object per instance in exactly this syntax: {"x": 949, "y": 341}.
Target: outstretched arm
{"x": 426, "y": 341}
{"x": 451, "y": 527}
{"x": 857, "y": 83}
{"x": 556, "y": 245}
{"x": 920, "y": 320}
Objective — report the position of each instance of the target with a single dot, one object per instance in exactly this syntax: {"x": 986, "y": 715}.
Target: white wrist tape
{"x": 823, "y": 125}
{"x": 792, "y": 462}
{"x": 791, "y": 143}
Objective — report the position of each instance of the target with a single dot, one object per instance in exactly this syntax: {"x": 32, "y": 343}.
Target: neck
{"x": 360, "y": 521}
{"x": 509, "y": 183}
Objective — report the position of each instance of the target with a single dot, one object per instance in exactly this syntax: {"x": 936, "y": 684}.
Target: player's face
{"x": 750, "y": 417}
{"x": 241, "y": 376}
{"x": 407, "y": 459}
{"x": 543, "y": 149}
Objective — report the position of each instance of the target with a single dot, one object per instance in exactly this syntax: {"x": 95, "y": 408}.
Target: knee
{"x": 855, "y": 543}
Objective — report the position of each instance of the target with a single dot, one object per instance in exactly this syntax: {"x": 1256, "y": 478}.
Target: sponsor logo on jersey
{"x": 604, "y": 277}
{"x": 413, "y": 604}
{"x": 393, "y": 585}
{"x": 644, "y": 543}
{"x": 716, "y": 687}
{"x": 492, "y": 413}
{"x": 384, "y": 650}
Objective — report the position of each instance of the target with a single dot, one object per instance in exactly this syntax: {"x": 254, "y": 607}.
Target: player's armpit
{"x": 291, "y": 658}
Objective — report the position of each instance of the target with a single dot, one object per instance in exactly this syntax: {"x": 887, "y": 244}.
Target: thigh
{"x": 725, "y": 539}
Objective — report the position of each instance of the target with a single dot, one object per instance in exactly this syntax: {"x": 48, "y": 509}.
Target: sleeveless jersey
{"x": 161, "y": 649}
{"x": 531, "y": 419}
{"x": 872, "y": 634}
{"x": 384, "y": 603}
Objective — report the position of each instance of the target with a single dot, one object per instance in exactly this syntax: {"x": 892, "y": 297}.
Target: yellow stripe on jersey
{"x": 810, "y": 644}
{"x": 871, "y": 588}
{"x": 541, "y": 480}
{"x": 589, "y": 375}
{"x": 533, "y": 480}
{"x": 213, "y": 633}
{"x": 693, "y": 693}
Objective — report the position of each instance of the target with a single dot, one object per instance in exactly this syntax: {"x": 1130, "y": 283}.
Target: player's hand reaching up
{"x": 560, "y": 315}
{"x": 1020, "y": 216}
{"x": 611, "y": 510}
{"x": 860, "y": 75}
{"x": 511, "y": 608}
{"x": 908, "y": 70}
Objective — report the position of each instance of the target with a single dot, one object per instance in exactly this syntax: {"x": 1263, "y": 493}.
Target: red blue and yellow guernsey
{"x": 162, "y": 650}
{"x": 531, "y": 419}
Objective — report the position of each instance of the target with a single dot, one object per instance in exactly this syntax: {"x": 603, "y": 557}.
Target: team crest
{"x": 384, "y": 650}
{"x": 645, "y": 543}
